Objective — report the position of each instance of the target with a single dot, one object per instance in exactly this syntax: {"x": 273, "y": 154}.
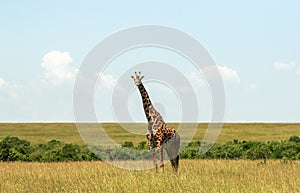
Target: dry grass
{"x": 68, "y": 133}
{"x": 193, "y": 176}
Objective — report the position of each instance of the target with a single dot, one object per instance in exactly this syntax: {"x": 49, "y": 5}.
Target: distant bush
{"x": 119, "y": 153}
{"x": 287, "y": 149}
{"x": 142, "y": 145}
{"x": 295, "y": 139}
{"x": 127, "y": 144}
{"x": 14, "y": 149}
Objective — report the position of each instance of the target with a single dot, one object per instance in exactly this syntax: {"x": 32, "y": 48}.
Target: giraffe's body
{"x": 159, "y": 134}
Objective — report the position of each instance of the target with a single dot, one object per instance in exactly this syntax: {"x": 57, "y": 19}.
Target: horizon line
{"x": 106, "y": 122}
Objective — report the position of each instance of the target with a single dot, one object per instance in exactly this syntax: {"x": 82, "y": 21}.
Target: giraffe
{"x": 159, "y": 134}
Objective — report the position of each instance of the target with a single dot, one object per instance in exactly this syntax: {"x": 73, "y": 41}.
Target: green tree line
{"x": 286, "y": 149}
{"x": 15, "y": 149}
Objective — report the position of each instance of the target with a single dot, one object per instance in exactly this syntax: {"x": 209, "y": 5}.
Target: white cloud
{"x": 3, "y": 83}
{"x": 291, "y": 66}
{"x": 107, "y": 80}
{"x": 298, "y": 71}
{"x": 252, "y": 86}
{"x": 16, "y": 91}
{"x": 9, "y": 90}
{"x": 197, "y": 78}
{"x": 284, "y": 66}
{"x": 229, "y": 74}
{"x": 57, "y": 67}
{"x": 226, "y": 73}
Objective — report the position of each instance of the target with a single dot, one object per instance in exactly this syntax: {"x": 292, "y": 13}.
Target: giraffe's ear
{"x": 132, "y": 77}
{"x": 142, "y": 77}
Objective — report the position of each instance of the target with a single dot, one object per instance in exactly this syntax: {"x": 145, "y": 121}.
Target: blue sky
{"x": 256, "y": 45}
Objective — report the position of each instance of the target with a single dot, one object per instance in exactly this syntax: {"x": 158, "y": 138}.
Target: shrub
{"x": 14, "y": 149}
{"x": 295, "y": 139}
{"x": 127, "y": 144}
{"x": 142, "y": 145}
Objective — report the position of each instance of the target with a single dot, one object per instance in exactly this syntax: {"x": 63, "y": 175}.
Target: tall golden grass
{"x": 193, "y": 176}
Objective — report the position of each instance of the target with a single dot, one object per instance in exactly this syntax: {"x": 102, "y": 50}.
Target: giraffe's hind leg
{"x": 172, "y": 149}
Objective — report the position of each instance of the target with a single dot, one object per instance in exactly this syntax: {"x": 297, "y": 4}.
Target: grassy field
{"x": 193, "y": 176}
{"x": 68, "y": 133}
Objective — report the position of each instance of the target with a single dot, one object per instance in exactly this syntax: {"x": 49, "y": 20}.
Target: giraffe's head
{"x": 137, "y": 78}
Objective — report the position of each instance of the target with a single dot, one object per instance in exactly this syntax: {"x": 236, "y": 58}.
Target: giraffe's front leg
{"x": 153, "y": 155}
{"x": 151, "y": 148}
{"x": 159, "y": 145}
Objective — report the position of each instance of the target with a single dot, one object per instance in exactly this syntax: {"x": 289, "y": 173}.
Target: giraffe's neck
{"x": 146, "y": 101}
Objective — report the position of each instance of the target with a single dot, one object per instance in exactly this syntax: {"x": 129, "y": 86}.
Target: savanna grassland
{"x": 193, "y": 176}
{"x": 68, "y": 133}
